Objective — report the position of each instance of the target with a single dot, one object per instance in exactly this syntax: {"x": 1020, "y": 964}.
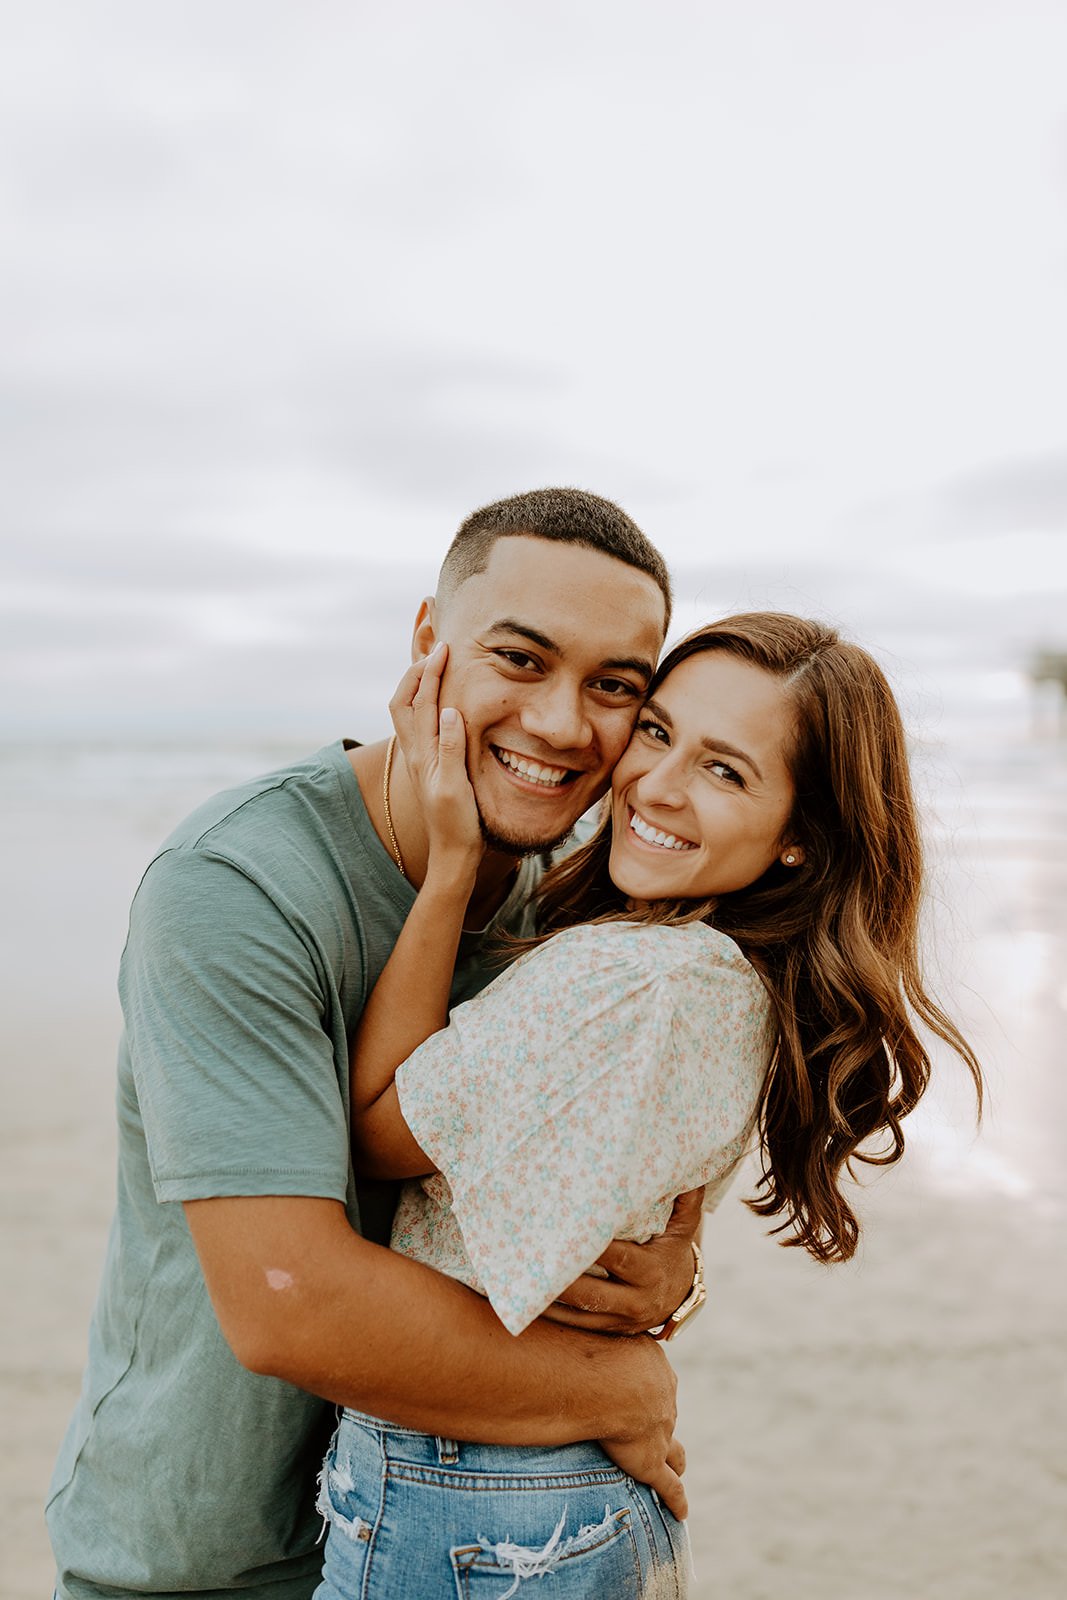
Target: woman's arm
{"x": 410, "y": 1000}
{"x": 410, "y": 1003}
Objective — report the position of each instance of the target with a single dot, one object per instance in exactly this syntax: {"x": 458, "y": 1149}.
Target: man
{"x": 238, "y": 1293}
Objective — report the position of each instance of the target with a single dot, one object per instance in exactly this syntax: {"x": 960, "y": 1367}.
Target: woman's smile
{"x": 656, "y": 838}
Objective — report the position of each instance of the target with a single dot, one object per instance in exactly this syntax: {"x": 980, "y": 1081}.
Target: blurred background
{"x": 287, "y": 291}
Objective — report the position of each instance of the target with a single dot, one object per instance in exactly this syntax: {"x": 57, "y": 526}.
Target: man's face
{"x": 550, "y": 650}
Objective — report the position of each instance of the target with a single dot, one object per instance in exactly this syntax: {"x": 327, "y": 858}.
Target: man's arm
{"x": 300, "y": 1296}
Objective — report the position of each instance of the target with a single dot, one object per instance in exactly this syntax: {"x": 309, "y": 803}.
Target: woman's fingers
{"x": 452, "y": 751}
{"x": 413, "y": 707}
{"x": 424, "y": 702}
{"x": 451, "y": 733}
{"x": 400, "y": 706}
{"x": 433, "y": 740}
{"x": 453, "y": 782}
{"x": 404, "y": 693}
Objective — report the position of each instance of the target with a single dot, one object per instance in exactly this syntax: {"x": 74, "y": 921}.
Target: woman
{"x": 734, "y": 950}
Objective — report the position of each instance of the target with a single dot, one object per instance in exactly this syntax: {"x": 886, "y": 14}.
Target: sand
{"x": 890, "y": 1428}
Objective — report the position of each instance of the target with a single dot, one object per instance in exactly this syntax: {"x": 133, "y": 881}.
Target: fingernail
{"x": 438, "y": 647}
{"x": 448, "y": 717}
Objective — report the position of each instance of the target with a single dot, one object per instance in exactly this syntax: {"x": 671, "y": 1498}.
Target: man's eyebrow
{"x": 628, "y": 664}
{"x": 512, "y": 625}
{"x": 715, "y": 747}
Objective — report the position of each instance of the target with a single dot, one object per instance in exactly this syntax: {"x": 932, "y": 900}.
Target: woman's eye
{"x": 654, "y": 730}
{"x": 727, "y": 773}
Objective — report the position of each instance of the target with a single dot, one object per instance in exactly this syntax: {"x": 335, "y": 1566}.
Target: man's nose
{"x": 556, "y": 714}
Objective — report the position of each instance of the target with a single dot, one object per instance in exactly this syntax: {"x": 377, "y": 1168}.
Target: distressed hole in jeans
{"x": 336, "y": 1481}
{"x": 503, "y": 1559}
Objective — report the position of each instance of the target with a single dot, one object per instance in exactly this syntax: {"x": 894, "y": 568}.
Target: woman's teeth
{"x": 667, "y": 841}
{"x": 532, "y": 771}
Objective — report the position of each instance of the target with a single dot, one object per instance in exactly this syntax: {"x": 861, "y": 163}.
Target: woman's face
{"x": 702, "y": 795}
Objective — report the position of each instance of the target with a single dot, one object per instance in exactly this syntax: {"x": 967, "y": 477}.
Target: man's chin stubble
{"x": 507, "y": 846}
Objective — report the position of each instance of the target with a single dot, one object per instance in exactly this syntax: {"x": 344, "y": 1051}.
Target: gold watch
{"x": 690, "y": 1305}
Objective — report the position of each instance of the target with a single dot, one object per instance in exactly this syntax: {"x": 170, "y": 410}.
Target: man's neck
{"x": 495, "y": 881}
{"x": 496, "y": 874}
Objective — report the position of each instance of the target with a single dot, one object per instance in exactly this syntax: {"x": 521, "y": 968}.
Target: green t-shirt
{"x": 255, "y": 936}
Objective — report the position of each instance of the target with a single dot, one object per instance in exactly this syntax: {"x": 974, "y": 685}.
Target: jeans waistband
{"x": 427, "y": 1449}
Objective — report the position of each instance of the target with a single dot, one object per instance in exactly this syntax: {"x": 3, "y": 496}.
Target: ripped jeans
{"x": 413, "y": 1517}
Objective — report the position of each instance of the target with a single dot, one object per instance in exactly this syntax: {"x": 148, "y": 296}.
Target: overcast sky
{"x": 288, "y": 289}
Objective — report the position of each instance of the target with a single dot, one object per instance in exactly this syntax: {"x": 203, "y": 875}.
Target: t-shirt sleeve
{"x": 229, "y": 1047}
{"x": 575, "y": 1094}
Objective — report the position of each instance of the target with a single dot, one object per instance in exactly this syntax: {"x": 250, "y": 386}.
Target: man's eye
{"x": 517, "y": 658}
{"x": 621, "y": 688}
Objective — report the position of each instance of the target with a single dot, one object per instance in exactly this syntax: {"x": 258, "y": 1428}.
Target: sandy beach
{"x": 890, "y": 1428}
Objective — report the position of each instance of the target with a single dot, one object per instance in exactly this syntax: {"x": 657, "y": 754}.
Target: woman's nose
{"x": 663, "y": 784}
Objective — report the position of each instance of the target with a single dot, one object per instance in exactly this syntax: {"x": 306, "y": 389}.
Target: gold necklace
{"x": 385, "y": 801}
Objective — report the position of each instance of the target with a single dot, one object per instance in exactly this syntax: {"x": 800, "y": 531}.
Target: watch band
{"x": 690, "y": 1305}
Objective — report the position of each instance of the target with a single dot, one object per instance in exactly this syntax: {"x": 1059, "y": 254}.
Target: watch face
{"x": 690, "y": 1305}
{"x": 688, "y": 1309}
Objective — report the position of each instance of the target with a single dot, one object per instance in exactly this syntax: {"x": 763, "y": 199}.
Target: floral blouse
{"x": 569, "y": 1102}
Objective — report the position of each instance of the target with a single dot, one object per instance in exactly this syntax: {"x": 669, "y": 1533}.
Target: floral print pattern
{"x": 569, "y": 1103}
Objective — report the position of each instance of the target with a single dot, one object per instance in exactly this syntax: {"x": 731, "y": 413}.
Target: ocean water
{"x": 81, "y": 819}
{"x": 95, "y": 772}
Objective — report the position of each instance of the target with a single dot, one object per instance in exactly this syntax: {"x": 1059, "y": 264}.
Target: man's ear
{"x": 425, "y": 635}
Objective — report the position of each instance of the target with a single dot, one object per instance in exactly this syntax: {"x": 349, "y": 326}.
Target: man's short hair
{"x": 570, "y": 516}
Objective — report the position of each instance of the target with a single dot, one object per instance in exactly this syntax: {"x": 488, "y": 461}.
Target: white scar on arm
{"x": 277, "y": 1279}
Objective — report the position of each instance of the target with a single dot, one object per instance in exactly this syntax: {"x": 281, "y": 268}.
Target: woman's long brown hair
{"x": 834, "y": 940}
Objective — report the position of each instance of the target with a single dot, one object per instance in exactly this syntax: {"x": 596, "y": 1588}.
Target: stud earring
{"x": 790, "y": 860}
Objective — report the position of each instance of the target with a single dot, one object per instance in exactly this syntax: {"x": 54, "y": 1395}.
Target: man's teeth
{"x": 532, "y": 771}
{"x": 668, "y": 841}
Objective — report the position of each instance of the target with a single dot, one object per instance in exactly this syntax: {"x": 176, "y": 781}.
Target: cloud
{"x": 444, "y": 428}
{"x": 998, "y": 528}
{"x": 1010, "y": 496}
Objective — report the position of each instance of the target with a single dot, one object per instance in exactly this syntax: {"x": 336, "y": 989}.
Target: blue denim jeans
{"x": 413, "y": 1517}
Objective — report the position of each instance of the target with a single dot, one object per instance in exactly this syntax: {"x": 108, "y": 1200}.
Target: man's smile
{"x": 537, "y": 772}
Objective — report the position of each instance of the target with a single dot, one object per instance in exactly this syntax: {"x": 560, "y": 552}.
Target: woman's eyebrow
{"x": 615, "y": 664}
{"x": 719, "y": 747}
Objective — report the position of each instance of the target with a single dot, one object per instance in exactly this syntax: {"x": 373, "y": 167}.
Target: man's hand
{"x": 647, "y": 1281}
{"x": 639, "y": 1460}
{"x": 651, "y": 1453}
